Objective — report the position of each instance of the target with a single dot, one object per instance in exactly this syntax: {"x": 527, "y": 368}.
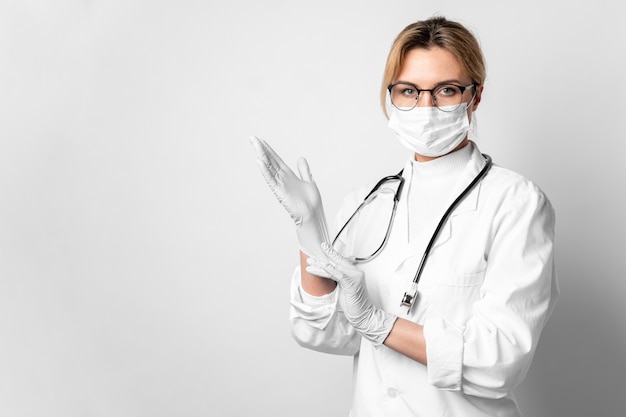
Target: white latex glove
{"x": 370, "y": 321}
{"x": 300, "y": 196}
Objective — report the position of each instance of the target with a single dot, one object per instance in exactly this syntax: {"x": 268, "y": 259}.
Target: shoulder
{"x": 504, "y": 188}
{"x": 383, "y": 189}
{"x": 385, "y": 184}
{"x": 510, "y": 182}
{"x": 353, "y": 199}
{"x": 506, "y": 184}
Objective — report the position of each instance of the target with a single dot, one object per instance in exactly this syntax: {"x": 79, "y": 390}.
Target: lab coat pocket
{"x": 454, "y": 295}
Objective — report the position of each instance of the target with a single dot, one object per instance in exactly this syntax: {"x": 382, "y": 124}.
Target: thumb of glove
{"x": 305, "y": 171}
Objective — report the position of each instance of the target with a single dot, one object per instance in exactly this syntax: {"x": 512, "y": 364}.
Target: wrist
{"x": 383, "y": 323}
{"x": 310, "y": 236}
{"x": 312, "y": 284}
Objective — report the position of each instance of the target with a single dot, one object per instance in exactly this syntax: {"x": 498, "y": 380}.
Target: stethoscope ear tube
{"x": 409, "y": 297}
{"x": 396, "y": 199}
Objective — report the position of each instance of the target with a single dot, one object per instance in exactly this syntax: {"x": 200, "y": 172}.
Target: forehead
{"x": 427, "y": 67}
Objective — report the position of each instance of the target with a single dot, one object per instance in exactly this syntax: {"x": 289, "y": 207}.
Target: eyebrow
{"x": 450, "y": 81}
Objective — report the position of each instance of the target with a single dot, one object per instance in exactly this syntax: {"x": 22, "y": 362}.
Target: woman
{"x": 463, "y": 335}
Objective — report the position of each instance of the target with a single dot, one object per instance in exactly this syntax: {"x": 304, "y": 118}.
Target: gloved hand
{"x": 299, "y": 196}
{"x": 370, "y": 321}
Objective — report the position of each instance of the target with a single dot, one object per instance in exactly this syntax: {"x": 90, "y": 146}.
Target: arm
{"x": 313, "y": 284}
{"x": 490, "y": 353}
{"x": 372, "y": 323}
{"x": 407, "y": 338}
{"x": 317, "y": 321}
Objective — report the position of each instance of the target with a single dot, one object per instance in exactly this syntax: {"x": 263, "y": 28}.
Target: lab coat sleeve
{"x": 490, "y": 355}
{"x": 318, "y": 323}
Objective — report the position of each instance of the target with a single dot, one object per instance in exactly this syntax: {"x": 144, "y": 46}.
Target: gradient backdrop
{"x": 144, "y": 264}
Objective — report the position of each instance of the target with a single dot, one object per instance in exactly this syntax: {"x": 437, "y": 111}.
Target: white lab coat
{"x": 486, "y": 292}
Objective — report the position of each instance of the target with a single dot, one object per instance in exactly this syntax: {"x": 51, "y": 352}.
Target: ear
{"x": 479, "y": 94}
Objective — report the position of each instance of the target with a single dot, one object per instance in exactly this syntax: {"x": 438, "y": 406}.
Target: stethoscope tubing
{"x": 409, "y": 298}
{"x": 449, "y": 211}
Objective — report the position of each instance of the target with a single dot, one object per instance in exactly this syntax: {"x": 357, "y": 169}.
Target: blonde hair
{"x": 434, "y": 32}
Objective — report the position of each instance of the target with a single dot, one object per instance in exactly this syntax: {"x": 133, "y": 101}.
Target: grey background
{"x": 144, "y": 265}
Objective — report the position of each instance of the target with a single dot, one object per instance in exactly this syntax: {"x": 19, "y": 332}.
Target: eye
{"x": 405, "y": 91}
{"x": 404, "y": 95}
{"x": 447, "y": 91}
{"x": 408, "y": 91}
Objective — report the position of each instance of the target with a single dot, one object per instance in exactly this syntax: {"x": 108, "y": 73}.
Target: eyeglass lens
{"x": 446, "y": 97}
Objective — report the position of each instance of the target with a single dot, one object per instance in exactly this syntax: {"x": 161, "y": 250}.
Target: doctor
{"x": 487, "y": 286}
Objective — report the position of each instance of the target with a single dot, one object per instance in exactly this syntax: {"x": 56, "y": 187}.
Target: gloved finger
{"x": 267, "y": 162}
{"x": 259, "y": 149}
{"x": 304, "y": 170}
{"x": 263, "y": 159}
{"x": 270, "y": 156}
{"x": 269, "y": 175}
{"x": 321, "y": 269}
{"x": 335, "y": 256}
{"x": 272, "y": 167}
{"x": 318, "y": 272}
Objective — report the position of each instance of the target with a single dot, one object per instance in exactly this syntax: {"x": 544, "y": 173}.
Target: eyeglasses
{"x": 446, "y": 97}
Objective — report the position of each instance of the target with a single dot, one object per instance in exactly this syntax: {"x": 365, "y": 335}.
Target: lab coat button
{"x": 392, "y": 393}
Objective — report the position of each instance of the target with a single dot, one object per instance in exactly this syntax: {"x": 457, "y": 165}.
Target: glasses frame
{"x": 433, "y": 100}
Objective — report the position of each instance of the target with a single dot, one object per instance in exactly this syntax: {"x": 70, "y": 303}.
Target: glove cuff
{"x": 311, "y": 234}
{"x": 385, "y": 322}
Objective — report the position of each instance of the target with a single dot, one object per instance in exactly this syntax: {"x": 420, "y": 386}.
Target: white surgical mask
{"x": 429, "y": 131}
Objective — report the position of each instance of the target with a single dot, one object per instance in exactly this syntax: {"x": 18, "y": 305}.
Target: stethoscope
{"x": 409, "y": 296}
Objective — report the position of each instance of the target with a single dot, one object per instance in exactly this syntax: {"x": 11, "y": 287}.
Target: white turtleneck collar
{"x": 428, "y": 187}
{"x": 444, "y": 165}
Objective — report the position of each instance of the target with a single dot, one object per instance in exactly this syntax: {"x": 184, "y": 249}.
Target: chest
{"x": 453, "y": 271}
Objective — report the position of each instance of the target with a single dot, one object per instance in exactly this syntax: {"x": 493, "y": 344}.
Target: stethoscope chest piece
{"x": 409, "y": 297}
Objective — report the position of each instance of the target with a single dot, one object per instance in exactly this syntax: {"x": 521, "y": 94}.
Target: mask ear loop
{"x": 473, "y": 132}
{"x": 473, "y": 128}
{"x": 473, "y": 96}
